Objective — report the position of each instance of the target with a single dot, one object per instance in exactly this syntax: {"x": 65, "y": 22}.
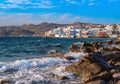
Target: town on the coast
{"x": 89, "y": 31}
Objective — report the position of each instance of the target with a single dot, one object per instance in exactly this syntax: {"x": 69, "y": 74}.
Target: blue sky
{"x": 18, "y": 12}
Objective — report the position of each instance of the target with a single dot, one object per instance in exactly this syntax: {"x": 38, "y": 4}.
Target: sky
{"x": 19, "y": 12}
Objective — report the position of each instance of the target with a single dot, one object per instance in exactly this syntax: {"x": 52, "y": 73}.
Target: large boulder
{"x": 89, "y": 67}
{"x": 89, "y": 47}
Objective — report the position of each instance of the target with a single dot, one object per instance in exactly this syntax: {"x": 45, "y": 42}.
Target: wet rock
{"x": 89, "y": 67}
{"x": 116, "y": 41}
{"x": 63, "y": 78}
{"x": 69, "y": 58}
{"x": 52, "y": 51}
{"x": 74, "y": 48}
{"x": 108, "y": 42}
{"x": 105, "y": 75}
{"x": 88, "y": 48}
{"x": 97, "y": 82}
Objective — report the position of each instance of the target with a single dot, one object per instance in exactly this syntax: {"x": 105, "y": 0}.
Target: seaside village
{"x": 106, "y": 31}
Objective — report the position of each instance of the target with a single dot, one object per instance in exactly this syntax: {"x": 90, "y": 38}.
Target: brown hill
{"x": 28, "y": 30}
{"x": 36, "y": 30}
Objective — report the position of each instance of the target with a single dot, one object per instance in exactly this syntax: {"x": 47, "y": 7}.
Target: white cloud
{"x": 26, "y": 18}
{"x": 26, "y": 4}
{"x": 19, "y": 1}
{"x": 72, "y": 2}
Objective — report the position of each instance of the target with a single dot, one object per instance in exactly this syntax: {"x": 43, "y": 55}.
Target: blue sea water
{"x": 15, "y": 48}
{"x": 24, "y": 60}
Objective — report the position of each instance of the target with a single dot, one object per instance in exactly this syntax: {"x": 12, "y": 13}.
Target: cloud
{"x": 75, "y": 2}
{"x": 19, "y": 1}
{"x": 26, "y": 4}
{"x": 27, "y": 18}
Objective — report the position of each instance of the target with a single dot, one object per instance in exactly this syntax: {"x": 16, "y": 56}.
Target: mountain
{"x": 37, "y": 30}
{"x": 28, "y": 30}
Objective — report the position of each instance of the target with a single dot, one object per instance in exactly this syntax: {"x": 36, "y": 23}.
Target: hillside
{"x": 35, "y": 30}
{"x": 27, "y": 30}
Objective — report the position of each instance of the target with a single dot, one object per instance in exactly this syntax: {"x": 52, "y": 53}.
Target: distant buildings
{"x": 87, "y": 32}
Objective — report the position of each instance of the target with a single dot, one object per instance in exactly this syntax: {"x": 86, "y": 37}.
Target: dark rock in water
{"x": 113, "y": 59}
{"x": 105, "y": 76}
{"x": 97, "y": 82}
{"x": 116, "y": 42}
{"x": 74, "y": 48}
{"x": 108, "y": 42}
{"x": 52, "y": 51}
{"x": 69, "y": 58}
{"x": 63, "y": 78}
{"x": 87, "y": 50}
{"x": 89, "y": 67}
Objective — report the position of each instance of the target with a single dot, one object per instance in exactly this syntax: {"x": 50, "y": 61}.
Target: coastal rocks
{"x": 63, "y": 78}
{"x": 69, "y": 58}
{"x": 88, "y": 48}
{"x": 74, "y": 48}
{"x": 97, "y": 82}
{"x": 116, "y": 42}
{"x": 89, "y": 67}
{"x": 100, "y": 66}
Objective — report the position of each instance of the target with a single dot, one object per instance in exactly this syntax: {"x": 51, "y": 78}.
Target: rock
{"x": 116, "y": 75}
{"x": 52, "y": 51}
{"x": 74, "y": 48}
{"x": 69, "y": 58}
{"x": 97, "y": 82}
{"x": 113, "y": 58}
{"x": 89, "y": 67}
{"x": 88, "y": 48}
{"x": 101, "y": 48}
{"x": 105, "y": 75}
{"x": 117, "y": 63}
{"x": 115, "y": 81}
{"x": 116, "y": 42}
{"x": 108, "y": 42}
{"x": 63, "y": 78}
{"x": 112, "y": 71}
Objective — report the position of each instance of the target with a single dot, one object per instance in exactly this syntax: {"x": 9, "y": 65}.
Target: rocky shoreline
{"x": 100, "y": 66}
{"x": 97, "y": 63}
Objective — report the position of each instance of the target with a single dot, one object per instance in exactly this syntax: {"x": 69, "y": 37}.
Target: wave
{"x": 37, "y": 70}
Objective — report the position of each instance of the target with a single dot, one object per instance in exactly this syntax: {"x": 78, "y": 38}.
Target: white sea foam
{"x": 36, "y": 70}
{"x": 76, "y": 56}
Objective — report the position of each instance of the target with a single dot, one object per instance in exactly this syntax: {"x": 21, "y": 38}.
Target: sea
{"x": 25, "y": 60}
